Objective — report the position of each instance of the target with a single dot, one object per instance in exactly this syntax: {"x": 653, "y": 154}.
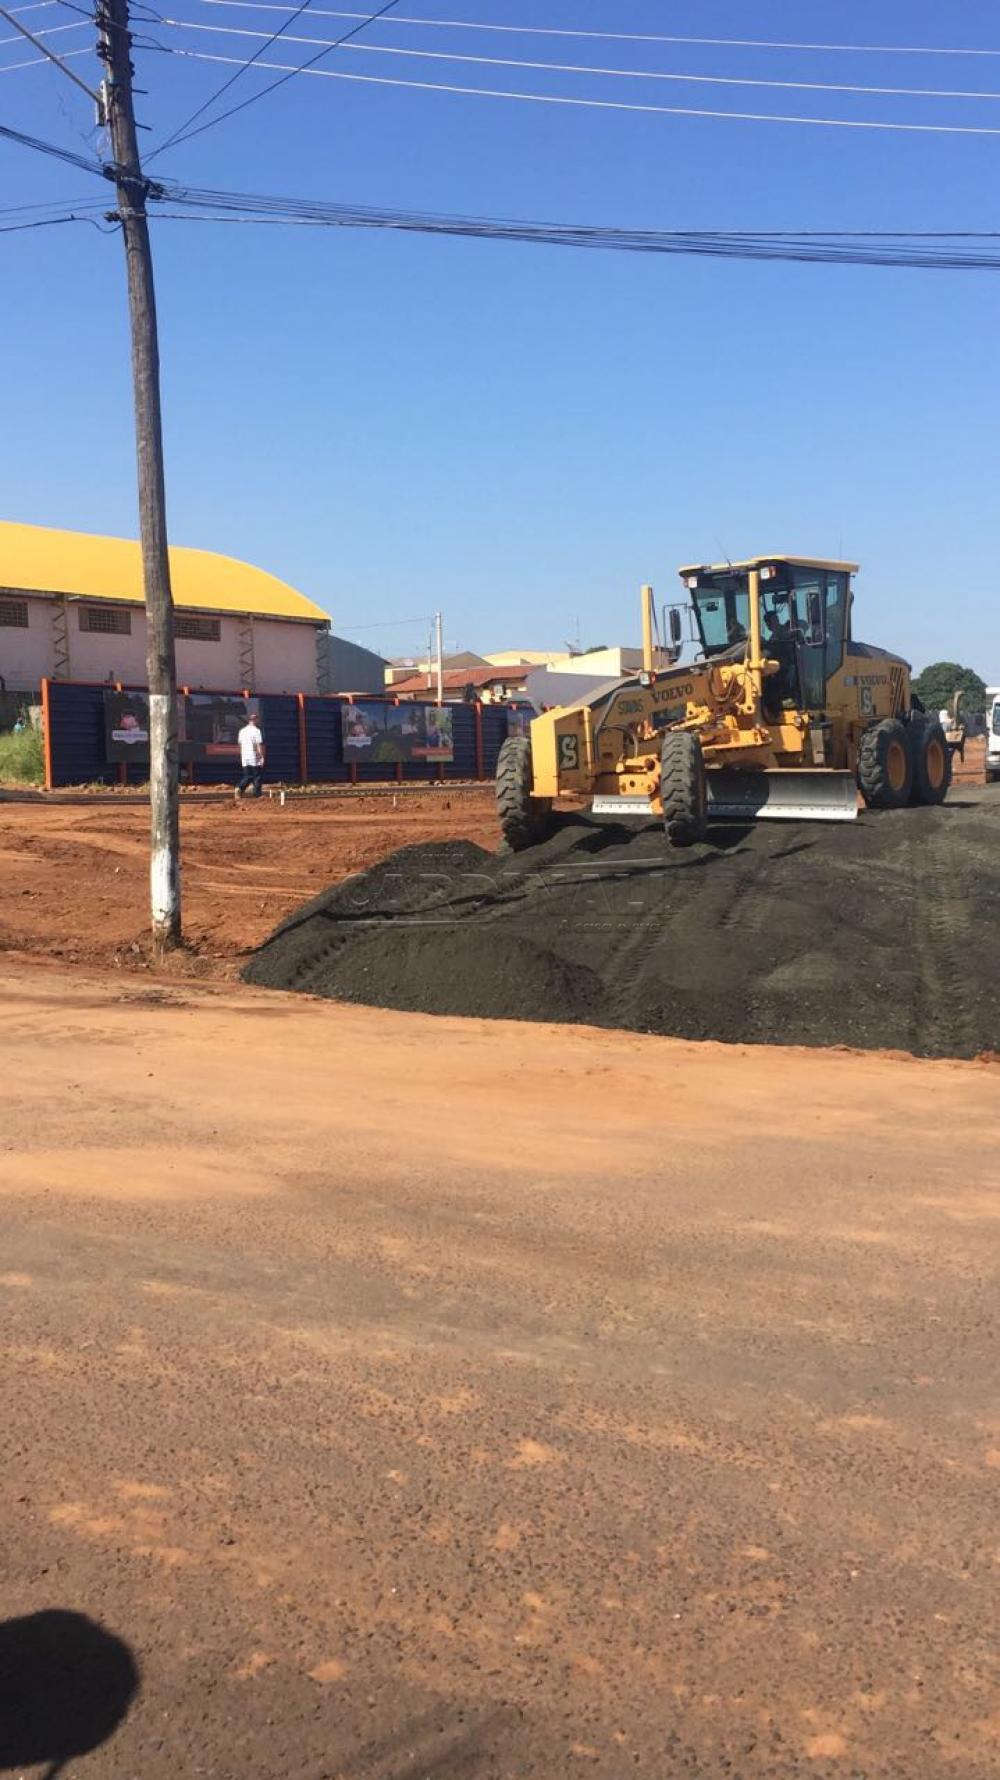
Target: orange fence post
{"x": 47, "y": 734}
{"x": 303, "y": 748}
{"x": 480, "y": 757}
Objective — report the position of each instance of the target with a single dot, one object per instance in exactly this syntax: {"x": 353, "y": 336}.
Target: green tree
{"x": 936, "y": 686}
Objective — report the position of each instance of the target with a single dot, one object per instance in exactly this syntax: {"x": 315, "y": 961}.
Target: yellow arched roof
{"x": 38, "y": 559}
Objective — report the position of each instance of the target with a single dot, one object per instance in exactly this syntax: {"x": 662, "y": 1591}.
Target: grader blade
{"x": 792, "y": 794}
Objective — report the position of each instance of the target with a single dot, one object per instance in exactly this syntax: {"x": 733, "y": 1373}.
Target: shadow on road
{"x": 65, "y": 1687}
{"x": 429, "y": 1748}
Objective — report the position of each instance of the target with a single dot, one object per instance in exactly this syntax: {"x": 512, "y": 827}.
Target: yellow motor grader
{"x": 781, "y": 714}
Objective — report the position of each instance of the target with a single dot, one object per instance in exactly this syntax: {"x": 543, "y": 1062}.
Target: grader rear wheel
{"x": 683, "y": 789}
{"x": 885, "y": 765}
{"x": 931, "y": 762}
{"x": 524, "y": 820}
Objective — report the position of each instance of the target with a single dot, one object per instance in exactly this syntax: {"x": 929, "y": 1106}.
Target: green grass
{"x": 22, "y": 760}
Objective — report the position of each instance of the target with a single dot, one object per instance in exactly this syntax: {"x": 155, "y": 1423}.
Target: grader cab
{"x": 780, "y": 714}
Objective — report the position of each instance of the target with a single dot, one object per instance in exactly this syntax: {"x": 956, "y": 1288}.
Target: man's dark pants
{"x": 251, "y": 776}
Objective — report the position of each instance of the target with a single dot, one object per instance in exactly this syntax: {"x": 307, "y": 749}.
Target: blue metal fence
{"x": 303, "y": 736}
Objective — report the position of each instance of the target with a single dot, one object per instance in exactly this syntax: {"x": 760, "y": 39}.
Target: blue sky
{"x": 521, "y": 435}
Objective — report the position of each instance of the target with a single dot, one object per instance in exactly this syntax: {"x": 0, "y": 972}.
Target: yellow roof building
{"x": 79, "y": 565}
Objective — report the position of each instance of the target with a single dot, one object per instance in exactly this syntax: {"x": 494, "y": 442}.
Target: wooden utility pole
{"x": 114, "y": 44}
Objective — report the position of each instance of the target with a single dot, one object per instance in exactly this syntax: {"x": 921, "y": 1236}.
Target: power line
{"x": 426, "y": 86}
{"x": 717, "y": 80}
{"x": 384, "y": 624}
{"x": 865, "y": 49}
{"x": 42, "y": 61}
{"x": 57, "y": 204}
{"x": 36, "y": 36}
{"x": 939, "y": 250}
{"x": 51, "y": 148}
{"x": 48, "y": 223}
{"x": 233, "y": 78}
{"x": 929, "y": 250}
{"x": 185, "y": 134}
{"x": 50, "y": 55}
{"x": 707, "y": 249}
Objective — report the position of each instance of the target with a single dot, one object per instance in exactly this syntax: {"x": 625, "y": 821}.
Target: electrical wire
{"x": 48, "y": 223}
{"x": 38, "y": 35}
{"x": 427, "y": 86}
{"x": 43, "y": 61}
{"x": 863, "y": 49}
{"x": 715, "y": 80}
{"x": 930, "y": 250}
{"x": 68, "y": 155}
{"x": 57, "y": 204}
{"x": 706, "y": 249}
{"x": 214, "y": 98}
{"x": 384, "y": 624}
{"x": 185, "y": 134}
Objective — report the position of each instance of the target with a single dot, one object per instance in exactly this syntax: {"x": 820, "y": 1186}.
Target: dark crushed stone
{"x": 881, "y": 933}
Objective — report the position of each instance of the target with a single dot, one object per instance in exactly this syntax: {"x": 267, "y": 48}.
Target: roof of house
{"x": 457, "y": 679}
{"x": 39, "y": 559}
{"x": 464, "y": 658}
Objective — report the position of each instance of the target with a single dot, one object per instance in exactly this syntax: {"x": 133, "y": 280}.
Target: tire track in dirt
{"x": 946, "y": 945}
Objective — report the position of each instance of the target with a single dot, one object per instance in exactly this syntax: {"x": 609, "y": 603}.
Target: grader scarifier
{"x": 781, "y": 714}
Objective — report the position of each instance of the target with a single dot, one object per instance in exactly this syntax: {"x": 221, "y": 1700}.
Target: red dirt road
{"x": 76, "y": 877}
{"x": 424, "y": 1398}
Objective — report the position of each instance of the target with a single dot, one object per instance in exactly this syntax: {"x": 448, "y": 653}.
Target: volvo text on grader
{"x": 781, "y": 714}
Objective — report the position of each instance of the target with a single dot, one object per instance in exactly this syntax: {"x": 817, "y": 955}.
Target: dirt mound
{"x": 880, "y": 933}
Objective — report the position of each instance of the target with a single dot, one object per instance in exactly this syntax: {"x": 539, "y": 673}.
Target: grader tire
{"x": 524, "y": 820}
{"x": 885, "y": 765}
{"x": 931, "y": 762}
{"x": 683, "y": 790}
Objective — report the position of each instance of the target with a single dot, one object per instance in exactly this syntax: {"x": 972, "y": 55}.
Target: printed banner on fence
{"x": 126, "y": 726}
{"x": 519, "y": 719}
{"x": 208, "y": 724}
{"x": 379, "y": 732}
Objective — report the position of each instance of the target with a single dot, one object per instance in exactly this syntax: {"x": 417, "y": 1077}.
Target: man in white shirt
{"x": 251, "y": 758}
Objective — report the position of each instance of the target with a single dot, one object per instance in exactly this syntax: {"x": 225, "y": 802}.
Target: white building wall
{"x": 284, "y": 652}
{"x": 285, "y": 655}
{"x": 98, "y": 655}
{"x": 212, "y": 667}
{"x": 26, "y": 655}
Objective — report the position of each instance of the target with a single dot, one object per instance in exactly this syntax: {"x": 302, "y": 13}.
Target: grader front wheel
{"x": 683, "y": 789}
{"x": 524, "y": 820}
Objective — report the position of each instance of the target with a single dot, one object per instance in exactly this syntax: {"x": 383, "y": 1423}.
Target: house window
{"x": 113, "y": 621}
{"x": 198, "y": 630}
{"x": 14, "y": 613}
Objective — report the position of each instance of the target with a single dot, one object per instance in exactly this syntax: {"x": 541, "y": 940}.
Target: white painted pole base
{"x": 164, "y": 858}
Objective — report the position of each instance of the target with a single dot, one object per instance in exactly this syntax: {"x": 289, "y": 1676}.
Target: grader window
{"x": 777, "y": 619}
{"x": 836, "y": 621}
{"x": 722, "y": 608}
{"x": 809, "y": 609}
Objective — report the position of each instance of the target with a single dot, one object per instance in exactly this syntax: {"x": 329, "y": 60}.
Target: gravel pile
{"x": 883, "y": 933}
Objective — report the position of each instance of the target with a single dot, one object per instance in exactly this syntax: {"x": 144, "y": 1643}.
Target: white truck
{"x": 993, "y": 732}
